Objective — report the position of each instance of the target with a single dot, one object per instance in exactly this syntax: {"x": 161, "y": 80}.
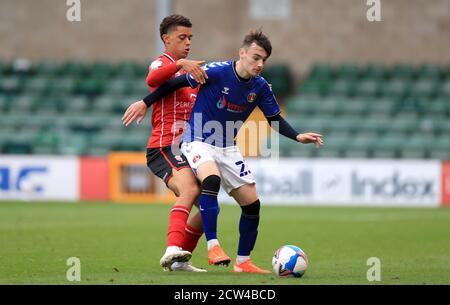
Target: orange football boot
{"x": 216, "y": 256}
{"x": 249, "y": 267}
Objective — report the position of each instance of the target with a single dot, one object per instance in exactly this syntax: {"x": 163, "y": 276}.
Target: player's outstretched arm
{"x": 285, "y": 129}
{"x": 138, "y": 109}
{"x": 158, "y": 76}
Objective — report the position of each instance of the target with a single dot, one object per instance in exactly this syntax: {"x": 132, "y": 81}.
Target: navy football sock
{"x": 248, "y": 228}
{"x": 209, "y": 206}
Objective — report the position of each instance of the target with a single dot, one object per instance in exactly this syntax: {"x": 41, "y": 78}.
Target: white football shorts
{"x": 233, "y": 170}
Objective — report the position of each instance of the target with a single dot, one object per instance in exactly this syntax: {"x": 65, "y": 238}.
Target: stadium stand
{"x": 369, "y": 111}
{"x": 375, "y": 111}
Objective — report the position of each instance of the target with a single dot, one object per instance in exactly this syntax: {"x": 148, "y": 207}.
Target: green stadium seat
{"x": 321, "y": 72}
{"x": 430, "y": 71}
{"x": 11, "y": 85}
{"x": 375, "y": 72}
{"x": 319, "y": 87}
{"x": 102, "y": 70}
{"x": 279, "y": 77}
{"x": 62, "y": 85}
{"x": 425, "y": 88}
{"x": 108, "y": 141}
{"x": 118, "y": 87}
{"x": 388, "y": 146}
{"x": 330, "y": 106}
{"x": 403, "y": 71}
{"x": 327, "y": 152}
{"x": 342, "y": 87}
{"x": 353, "y": 108}
{"x": 23, "y": 104}
{"x": 395, "y": 88}
{"x": 290, "y": 148}
{"x": 368, "y": 88}
{"x": 104, "y": 104}
{"x": 417, "y": 145}
{"x": 442, "y": 142}
{"x": 73, "y": 144}
{"x": 440, "y": 154}
{"x": 437, "y": 107}
{"x": 77, "y": 104}
{"x": 73, "y": 69}
{"x": 4, "y": 103}
{"x": 348, "y": 71}
{"x": 445, "y": 89}
{"x": 301, "y": 105}
{"x": 89, "y": 86}
{"x": 37, "y": 85}
{"x": 47, "y": 68}
{"x": 400, "y": 124}
{"x": 411, "y": 104}
{"x": 336, "y": 142}
{"x": 20, "y": 143}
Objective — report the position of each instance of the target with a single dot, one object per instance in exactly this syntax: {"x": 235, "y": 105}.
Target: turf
{"x": 122, "y": 244}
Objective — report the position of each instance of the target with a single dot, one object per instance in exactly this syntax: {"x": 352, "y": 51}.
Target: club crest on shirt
{"x": 251, "y": 97}
{"x": 179, "y": 159}
{"x": 156, "y": 64}
{"x": 196, "y": 158}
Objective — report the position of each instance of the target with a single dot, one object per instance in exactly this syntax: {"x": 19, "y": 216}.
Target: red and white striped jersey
{"x": 170, "y": 113}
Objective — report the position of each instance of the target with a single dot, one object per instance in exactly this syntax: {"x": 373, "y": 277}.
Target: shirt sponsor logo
{"x": 223, "y": 103}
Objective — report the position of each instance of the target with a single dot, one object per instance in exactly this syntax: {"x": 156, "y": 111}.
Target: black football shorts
{"x": 162, "y": 161}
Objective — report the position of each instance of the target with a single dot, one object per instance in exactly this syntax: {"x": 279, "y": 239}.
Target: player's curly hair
{"x": 171, "y": 22}
{"x": 260, "y": 39}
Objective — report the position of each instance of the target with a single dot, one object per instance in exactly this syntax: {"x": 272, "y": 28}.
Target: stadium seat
{"x": 395, "y": 88}
{"x": 279, "y": 77}
{"x": 368, "y": 88}
{"x": 363, "y": 111}
{"x": 375, "y": 72}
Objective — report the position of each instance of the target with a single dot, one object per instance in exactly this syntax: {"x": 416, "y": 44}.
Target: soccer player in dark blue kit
{"x": 232, "y": 91}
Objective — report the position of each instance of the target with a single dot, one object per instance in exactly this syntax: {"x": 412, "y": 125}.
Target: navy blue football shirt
{"x": 224, "y": 102}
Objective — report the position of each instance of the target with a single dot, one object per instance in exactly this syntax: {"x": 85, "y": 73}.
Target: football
{"x": 289, "y": 261}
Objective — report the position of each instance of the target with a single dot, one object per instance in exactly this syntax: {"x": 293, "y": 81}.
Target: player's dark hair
{"x": 171, "y": 22}
{"x": 260, "y": 39}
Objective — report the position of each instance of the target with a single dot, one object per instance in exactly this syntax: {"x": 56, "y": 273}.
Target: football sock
{"x": 248, "y": 228}
{"x": 212, "y": 243}
{"x": 209, "y": 206}
{"x": 241, "y": 259}
{"x": 177, "y": 224}
{"x": 191, "y": 237}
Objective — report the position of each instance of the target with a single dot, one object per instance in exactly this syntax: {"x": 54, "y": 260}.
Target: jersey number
{"x": 243, "y": 171}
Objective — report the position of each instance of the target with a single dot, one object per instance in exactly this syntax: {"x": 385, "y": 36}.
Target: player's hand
{"x": 310, "y": 137}
{"x": 193, "y": 67}
{"x": 137, "y": 110}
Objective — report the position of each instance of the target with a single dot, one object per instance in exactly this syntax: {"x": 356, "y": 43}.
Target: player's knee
{"x": 251, "y": 209}
{"x": 211, "y": 185}
{"x": 190, "y": 191}
{"x": 192, "y": 188}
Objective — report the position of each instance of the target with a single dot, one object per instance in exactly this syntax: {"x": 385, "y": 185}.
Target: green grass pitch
{"x": 122, "y": 244}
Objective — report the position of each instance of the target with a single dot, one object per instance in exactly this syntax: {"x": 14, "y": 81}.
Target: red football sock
{"x": 177, "y": 222}
{"x": 191, "y": 237}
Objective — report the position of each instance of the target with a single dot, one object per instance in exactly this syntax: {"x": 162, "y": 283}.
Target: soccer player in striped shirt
{"x": 168, "y": 117}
